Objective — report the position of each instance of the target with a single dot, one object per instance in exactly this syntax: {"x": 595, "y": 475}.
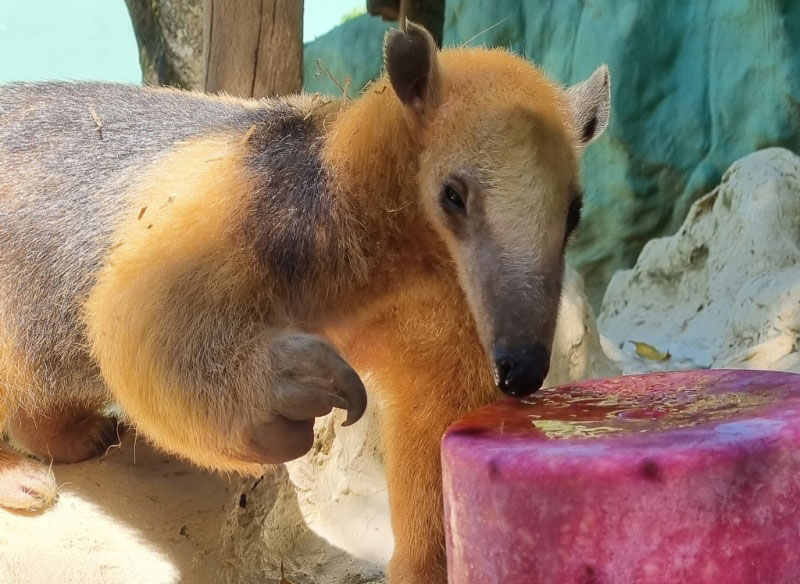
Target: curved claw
{"x": 350, "y": 388}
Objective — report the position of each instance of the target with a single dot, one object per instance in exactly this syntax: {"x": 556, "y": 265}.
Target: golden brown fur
{"x": 422, "y": 347}
{"x": 205, "y": 331}
{"x": 170, "y": 238}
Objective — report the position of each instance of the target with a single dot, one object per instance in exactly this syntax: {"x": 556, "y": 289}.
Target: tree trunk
{"x": 249, "y": 48}
{"x": 170, "y": 38}
{"x": 253, "y": 48}
{"x": 428, "y": 13}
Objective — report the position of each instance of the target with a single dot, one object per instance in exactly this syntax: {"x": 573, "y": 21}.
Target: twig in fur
{"x": 98, "y": 122}
{"x": 248, "y": 134}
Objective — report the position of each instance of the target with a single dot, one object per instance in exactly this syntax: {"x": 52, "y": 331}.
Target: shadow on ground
{"x": 140, "y": 516}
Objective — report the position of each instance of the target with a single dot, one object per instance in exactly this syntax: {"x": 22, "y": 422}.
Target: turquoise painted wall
{"x": 70, "y": 39}
{"x": 93, "y": 39}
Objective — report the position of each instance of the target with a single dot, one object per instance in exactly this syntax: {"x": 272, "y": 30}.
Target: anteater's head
{"x": 499, "y": 149}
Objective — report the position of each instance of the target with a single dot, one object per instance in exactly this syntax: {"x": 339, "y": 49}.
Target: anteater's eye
{"x": 573, "y": 215}
{"x": 453, "y": 197}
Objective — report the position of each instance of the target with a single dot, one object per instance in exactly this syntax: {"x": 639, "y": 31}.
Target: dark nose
{"x": 520, "y": 371}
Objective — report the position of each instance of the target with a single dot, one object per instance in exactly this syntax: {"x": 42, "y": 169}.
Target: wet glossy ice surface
{"x": 678, "y": 477}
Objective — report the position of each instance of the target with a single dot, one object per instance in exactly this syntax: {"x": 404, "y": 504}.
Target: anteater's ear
{"x": 590, "y": 102}
{"x": 411, "y": 61}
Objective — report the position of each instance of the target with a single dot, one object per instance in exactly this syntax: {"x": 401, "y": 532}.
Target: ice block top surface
{"x": 685, "y": 404}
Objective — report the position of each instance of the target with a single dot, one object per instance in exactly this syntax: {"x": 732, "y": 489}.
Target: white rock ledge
{"x": 725, "y": 290}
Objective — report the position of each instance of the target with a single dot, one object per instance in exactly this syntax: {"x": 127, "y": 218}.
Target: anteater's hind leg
{"x": 60, "y": 425}
{"x": 61, "y": 434}
{"x": 52, "y": 410}
{"x": 25, "y": 484}
{"x": 64, "y": 433}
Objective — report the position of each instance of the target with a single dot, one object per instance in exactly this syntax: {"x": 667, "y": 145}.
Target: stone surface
{"x": 653, "y": 479}
{"x": 341, "y": 486}
{"x": 725, "y": 290}
{"x": 578, "y": 351}
{"x": 266, "y": 529}
{"x": 696, "y": 85}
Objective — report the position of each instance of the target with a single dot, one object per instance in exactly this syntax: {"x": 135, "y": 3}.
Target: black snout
{"x": 520, "y": 371}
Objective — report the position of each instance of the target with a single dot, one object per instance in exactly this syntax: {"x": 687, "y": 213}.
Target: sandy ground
{"x": 140, "y": 516}
{"x": 133, "y": 516}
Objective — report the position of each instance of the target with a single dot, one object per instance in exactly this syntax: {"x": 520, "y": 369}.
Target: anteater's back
{"x": 67, "y": 153}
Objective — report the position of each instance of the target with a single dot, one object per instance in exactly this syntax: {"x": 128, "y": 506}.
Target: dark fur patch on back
{"x": 293, "y": 217}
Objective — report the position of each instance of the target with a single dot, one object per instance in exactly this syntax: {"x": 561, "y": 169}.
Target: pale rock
{"x": 577, "y": 347}
{"x": 724, "y": 291}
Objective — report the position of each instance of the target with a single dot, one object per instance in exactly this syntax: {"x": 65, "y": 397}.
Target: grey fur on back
{"x": 67, "y": 153}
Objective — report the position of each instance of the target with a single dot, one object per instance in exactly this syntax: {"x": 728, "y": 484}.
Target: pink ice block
{"x": 668, "y": 478}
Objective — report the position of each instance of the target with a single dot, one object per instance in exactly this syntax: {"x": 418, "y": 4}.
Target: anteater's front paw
{"x": 309, "y": 379}
{"x": 276, "y": 440}
{"x": 312, "y": 379}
